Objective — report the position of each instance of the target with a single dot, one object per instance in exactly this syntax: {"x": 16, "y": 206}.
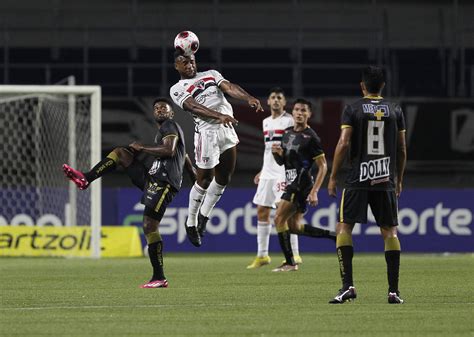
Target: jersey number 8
{"x": 375, "y": 139}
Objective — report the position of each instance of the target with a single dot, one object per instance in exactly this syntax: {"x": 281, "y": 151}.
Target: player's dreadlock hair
{"x": 276, "y": 90}
{"x": 162, "y": 99}
{"x": 304, "y": 101}
{"x": 373, "y": 78}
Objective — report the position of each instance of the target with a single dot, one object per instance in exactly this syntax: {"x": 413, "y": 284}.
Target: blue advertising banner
{"x": 431, "y": 220}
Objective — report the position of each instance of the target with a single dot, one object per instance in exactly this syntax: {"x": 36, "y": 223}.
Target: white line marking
{"x": 124, "y": 306}
{"x": 185, "y": 305}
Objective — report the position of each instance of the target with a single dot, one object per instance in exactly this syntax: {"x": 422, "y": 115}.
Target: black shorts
{"x": 384, "y": 206}
{"x": 297, "y": 197}
{"x": 157, "y": 194}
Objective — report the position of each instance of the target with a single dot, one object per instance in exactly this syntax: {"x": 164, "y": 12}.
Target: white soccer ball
{"x": 187, "y": 42}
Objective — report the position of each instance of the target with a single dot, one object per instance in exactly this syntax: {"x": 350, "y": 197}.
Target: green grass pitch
{"x": 214, "y": 295}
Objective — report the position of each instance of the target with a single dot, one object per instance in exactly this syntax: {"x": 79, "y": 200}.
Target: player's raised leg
{"x": 119, "y": 156}
{"x": 297, "y": 228}
{"x": 307, "y": 230}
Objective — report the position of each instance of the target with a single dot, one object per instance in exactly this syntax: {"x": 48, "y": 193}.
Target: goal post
{"x": 42, "y": 127}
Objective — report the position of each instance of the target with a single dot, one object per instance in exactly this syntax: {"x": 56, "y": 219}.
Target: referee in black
{"x": 373, "y": 131}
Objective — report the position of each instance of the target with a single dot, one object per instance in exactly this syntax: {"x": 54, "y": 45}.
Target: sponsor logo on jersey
{"x": 290, "y": 175}
{"x": 154, "y": 188}
{"x": 201, "y": 99}
{"x": 155, "y": 167}
{"x": 290, "y": 145}
{"x": 375, "y": 169}
{"x": 378, "y": 111}
{"x": 179, "y": 95}
{"x": 199, "y": 84}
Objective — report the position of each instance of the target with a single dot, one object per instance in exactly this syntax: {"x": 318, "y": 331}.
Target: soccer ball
{"x": 187, "y": 42}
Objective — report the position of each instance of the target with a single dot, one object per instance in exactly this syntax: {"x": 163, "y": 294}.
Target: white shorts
{"x": 269, "y": 192}
{"x": 210, "y": 144}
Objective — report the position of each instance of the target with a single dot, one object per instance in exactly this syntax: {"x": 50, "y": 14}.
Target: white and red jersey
{"x": 273, "y": 129}
{"x": 204, "y": 88}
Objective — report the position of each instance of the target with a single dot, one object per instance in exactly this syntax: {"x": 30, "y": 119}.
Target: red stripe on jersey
{"x": 205, "y": 79}
{"x": 276, "y": 132}
{"x": 210, "y": 78}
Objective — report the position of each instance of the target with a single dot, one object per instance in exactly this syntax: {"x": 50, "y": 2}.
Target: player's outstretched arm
{"x": 236, "y": 91}
{"x": 318, "y": 181}
{"x": 167, "y": 149}
{"x": 401, "y": 160}
{"x": 339, "y": 154}
{"x": 200, "y": 110}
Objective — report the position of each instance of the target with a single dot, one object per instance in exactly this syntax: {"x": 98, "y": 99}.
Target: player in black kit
{"x": 300, "y": 149}
{"x": 159, "y": 183}
{"x": 373, "y": 129}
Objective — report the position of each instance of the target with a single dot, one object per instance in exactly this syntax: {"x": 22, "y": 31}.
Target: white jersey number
{"x": 375, "y": 142}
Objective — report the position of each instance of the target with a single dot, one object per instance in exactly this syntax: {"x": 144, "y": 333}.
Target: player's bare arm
{"x": 236, "y": 91}
{"x": 401, "y": 160}
{"x": 318, "y": 181}
{"x": 339, "y": 155}
{"x": 167, "y": 149}
{"x": 277, "y": 152}
{"x": 200, "y": 110}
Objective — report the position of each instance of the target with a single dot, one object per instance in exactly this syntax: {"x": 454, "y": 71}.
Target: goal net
{"x": 41, "y": 128}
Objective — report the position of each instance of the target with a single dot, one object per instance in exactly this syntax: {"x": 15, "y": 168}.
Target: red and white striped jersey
{"x": 204, "y": 88}
{"x": 273, "y": 130}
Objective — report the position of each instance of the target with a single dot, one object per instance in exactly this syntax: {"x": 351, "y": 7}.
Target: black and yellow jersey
{"x": 375, "y": 124}
{"x": 169, "y": 169}
{"x": 300, "y": 149}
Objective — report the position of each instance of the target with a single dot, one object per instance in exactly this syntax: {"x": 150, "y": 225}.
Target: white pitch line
{"x": 177, "y": 305}
{"x": 124, "y": 306}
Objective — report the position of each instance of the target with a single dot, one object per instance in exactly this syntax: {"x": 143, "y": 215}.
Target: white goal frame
{"x": 96, "y": 148}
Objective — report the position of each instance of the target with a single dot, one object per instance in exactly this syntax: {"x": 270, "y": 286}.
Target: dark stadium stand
{"x": 324, "y": 72}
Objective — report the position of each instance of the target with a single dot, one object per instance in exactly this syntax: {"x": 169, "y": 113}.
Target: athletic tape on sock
{"x": 392, "y": 243}
{"x": 112, "y": 155}
{"x": 153, "y": 237}
{"x": 343, "y": 239}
